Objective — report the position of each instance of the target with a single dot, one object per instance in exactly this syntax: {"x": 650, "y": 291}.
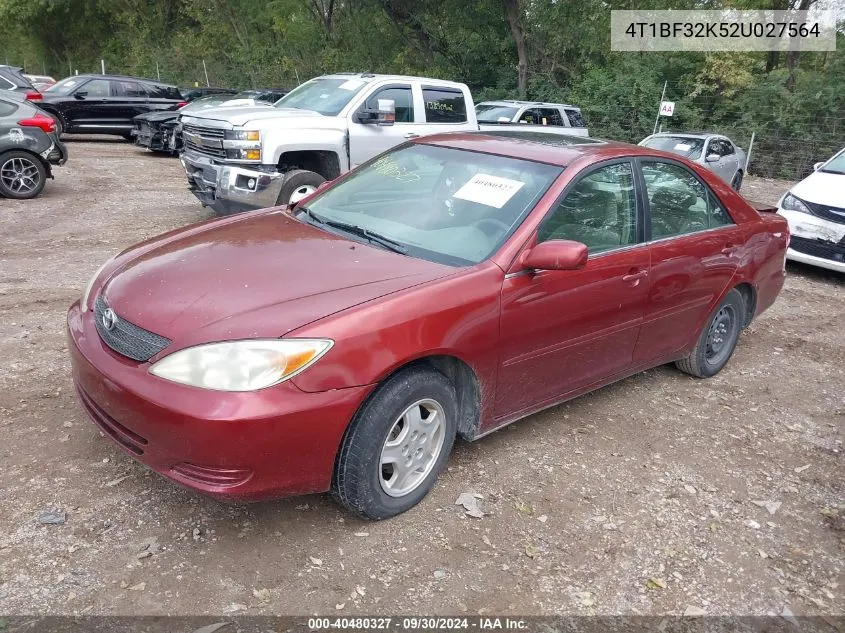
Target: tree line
{"x": 551, "y": 50}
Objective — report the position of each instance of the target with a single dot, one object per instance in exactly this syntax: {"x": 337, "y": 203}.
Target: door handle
{"x": 634, "y": 274}
{"x": 412, "y": 135}
{"x": 729, "y": 249}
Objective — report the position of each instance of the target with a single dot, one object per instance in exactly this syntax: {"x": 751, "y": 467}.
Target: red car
{"x": 448, "y": 287}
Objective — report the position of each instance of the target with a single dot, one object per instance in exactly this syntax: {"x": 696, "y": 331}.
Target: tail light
{"x": 34, "y": 95}
{"x": 181, "y": 104}
{"x": 46, "y": 123}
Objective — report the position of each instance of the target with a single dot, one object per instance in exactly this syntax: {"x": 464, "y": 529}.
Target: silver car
{"x": 717, "y": 153}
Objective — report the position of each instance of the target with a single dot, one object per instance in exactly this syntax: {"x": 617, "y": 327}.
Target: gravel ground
{"x": 653, "y": 495}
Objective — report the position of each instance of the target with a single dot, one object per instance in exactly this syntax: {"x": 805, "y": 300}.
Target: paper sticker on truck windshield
{"x": 492, "y": 191}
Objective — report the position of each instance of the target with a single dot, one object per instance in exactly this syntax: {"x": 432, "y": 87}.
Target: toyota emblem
{"x": 109, "y": 319}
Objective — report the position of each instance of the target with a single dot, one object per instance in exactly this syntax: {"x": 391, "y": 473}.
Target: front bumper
{"x": 815, "y": 241}
{"x": 266, "y": 444}
{"x": 227, "y": 188}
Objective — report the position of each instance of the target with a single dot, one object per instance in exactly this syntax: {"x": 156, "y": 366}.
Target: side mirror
{"x": 712, "y": 158}
{"x": 80, "y": 94}
{"x": 556, "y": 255}
{"x": 384, "y": 114}
{"x": 818, "y": 166}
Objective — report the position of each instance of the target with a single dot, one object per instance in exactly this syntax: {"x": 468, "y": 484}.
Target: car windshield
{"x": 326, "y": 95}
{"x": 446, "y": 205}
{"x": 687, "y": 146}
{"x": 490, "y": 113}
{"x": 835, "y": 165}
{"x": 65, "y": 86}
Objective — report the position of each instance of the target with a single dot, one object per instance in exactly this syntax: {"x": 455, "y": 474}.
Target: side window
{"x": 727, "y": 148}
{"x": 529, "y": 116}
{"x": 402, "y": 97}
{"x": 600, "y": 210}
{"x": 96, "y": 88}
{"x": 444, "y": 106}
{"x": 679, "y": 203}
{"x": 7, "y": 108}
{"x": 128, "y": 89}
{"x": 550, "y": 116}
{"x": 575, "y": 118}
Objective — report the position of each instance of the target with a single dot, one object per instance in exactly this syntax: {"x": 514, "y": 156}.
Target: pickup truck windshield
{"x": 328, "y": 95}
{"x": 836, "y": 165}
{"x": 488, "y": 113}
{"x": 446, "y": 205}
{"x": 686, "y": 146}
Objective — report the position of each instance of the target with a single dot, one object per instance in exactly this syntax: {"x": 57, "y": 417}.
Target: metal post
{"x": 158, "y": 74}
{"x": 663, "y": 94}
{"x": 297, "y": 76}
{"x": 69, "y": 68}
{"x": 748, "y": 154}
{"x": 207, "y": 82}
{"x": 103, "y": 66}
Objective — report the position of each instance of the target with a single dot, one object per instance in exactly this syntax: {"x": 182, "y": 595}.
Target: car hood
{"x": 262, "y": 275}
{"x": 822, "y": 188}
{"x": 281, "y": 117}
{"x": 157, "y": 117}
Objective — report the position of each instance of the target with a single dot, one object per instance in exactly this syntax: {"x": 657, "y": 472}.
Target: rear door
{"x": 694, "y": 247}
{"x": 563, "y": 330}
{"x": 128, "y": 99}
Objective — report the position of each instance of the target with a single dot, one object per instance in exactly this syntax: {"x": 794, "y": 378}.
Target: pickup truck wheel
{"x": 298, "y": 184}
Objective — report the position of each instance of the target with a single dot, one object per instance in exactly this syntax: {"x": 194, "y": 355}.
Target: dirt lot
{"x": 639, "y": 498}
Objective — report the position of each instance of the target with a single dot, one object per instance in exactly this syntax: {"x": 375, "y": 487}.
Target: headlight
{"x": 241, "y": 365}
{"x": 791, "y": 203}
{"x": 243, "y": 154}
{"x": 243, "y": 135}
{"x": 86, "y": 295}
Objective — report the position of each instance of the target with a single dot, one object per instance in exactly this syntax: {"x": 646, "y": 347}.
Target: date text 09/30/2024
{"x": 417, "y": 623}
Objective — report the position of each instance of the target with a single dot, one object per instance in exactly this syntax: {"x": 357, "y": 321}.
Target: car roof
{"x": 144, "y": 79}
{"x": 376, "y": 77}
{"x": 541, "y": 147}
{"x": 689, "y": 134}
{"x": 515, "y": 103}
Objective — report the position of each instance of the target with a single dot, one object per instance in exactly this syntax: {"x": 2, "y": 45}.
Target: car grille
{"x": 207, "y": 141}
{"x": 818, "y": 248}
{"x": 831, "y": 214}
{"x": 126, "y": 338}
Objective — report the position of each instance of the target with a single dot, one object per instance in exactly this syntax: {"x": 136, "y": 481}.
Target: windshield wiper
{"x": 375, "y": 238}
{"x": 832, "y": 171}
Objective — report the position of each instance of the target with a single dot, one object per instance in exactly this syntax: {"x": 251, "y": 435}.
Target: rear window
{"x": 444, "y": 106}
{"x": 157, "y": 91}
{"x": 575, "y": 118}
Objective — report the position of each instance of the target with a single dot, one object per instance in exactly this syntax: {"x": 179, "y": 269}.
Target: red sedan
{"x": 449, "y": 287}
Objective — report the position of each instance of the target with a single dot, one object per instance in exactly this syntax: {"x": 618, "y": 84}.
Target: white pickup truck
{"x": 250, "y": 158}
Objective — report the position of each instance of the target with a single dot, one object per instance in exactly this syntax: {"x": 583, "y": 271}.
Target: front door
{"x": 695, "y": 251}
{"x": 564, "y": 330}
{"x": 87, "y": 108}
{"x": 369, "y": 139}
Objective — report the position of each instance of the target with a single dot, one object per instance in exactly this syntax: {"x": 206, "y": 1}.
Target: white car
{"x": 815, "y": 210}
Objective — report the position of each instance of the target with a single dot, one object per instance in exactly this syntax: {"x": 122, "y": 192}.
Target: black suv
{"x": 105, "y": 104}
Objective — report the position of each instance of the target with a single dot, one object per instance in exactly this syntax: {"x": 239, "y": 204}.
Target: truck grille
{"x": 126, "y": 338}
{"x": 831, "y": 214}
{"x": 818, "y": 248}
{"x": 207, "y": 141}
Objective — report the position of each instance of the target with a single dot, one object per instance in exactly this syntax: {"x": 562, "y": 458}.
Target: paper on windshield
{"x": 683, "y": 147}
{"x": 492, "y": 191}
{"x": 351, "y": 84}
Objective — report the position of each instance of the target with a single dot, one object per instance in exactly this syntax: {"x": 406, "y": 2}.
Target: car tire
{"x": 395, "y": 423}
{"x": 22, "y": 175}
{"x": 718, "y": 338}
{"x": 298, "y": 184}
{"x": 736, "y": 183}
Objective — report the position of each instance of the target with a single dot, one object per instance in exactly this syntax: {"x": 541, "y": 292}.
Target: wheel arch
{"x": 749, "y": 297}
{"x": 323, "y": 162}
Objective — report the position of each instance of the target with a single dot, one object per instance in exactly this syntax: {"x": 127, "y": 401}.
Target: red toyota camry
{"x": 448, "y": 287}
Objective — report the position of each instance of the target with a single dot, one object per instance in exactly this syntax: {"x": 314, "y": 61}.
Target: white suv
{"x": 815, "y": 210}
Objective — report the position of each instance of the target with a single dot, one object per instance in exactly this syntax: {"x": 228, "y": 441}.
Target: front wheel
{"x": 397, "y": 444}
{"x": 22, "y": 175}
{"x": 298, "y": 184}
{"x": 718, "y": 339}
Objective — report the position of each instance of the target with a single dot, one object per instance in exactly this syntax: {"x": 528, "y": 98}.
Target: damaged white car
{"x": 815, "y": 210}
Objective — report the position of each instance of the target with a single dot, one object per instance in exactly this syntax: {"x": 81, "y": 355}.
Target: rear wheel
{"x": 718, "y": 339}
{"x": 297, "y": 185}
{"x": 736, "y": 183}
{"x": 22, "y": 175}
{"x": 397, "y": 444}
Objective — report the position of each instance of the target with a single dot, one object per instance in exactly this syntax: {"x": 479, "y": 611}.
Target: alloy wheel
{"x": 20, "y": 175}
